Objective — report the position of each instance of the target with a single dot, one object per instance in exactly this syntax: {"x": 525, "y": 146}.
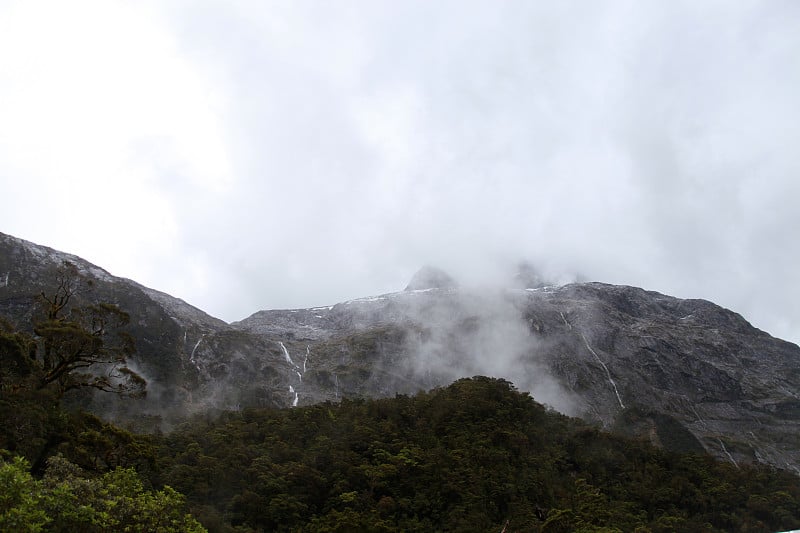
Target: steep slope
{"x": 672, "y": 365}
{"x": 28, "y": 270}
{"x": 686, "y": 374}
{"x": 180, "y": 349}
{"x": 473, "y": 456}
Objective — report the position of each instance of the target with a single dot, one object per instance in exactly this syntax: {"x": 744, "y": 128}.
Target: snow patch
{"x": 368, "y": 299}
{"x": 176, "y": 307}
{"x": 83, "y": 266}
{"x": 546, "y": 288}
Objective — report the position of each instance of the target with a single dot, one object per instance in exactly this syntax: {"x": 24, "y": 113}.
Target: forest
{"x": 474, "y": 456}
{"x": 477, "y": 455}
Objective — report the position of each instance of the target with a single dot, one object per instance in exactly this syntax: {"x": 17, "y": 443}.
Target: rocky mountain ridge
{"x": 686, "y": 374}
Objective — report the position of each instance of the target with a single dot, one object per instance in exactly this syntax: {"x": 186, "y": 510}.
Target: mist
{"x": 441, "y": 328}
{"x": 481, "y": 332}
{"x": 247, "y": 156}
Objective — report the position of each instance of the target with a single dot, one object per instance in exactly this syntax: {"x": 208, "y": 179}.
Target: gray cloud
{"x": 480, "y": 333}
{"x": 645, "y": 143}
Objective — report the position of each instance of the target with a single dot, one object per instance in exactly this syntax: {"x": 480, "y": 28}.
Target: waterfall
{"x": 608, "y": 374}
{"x": 286, "y": 354}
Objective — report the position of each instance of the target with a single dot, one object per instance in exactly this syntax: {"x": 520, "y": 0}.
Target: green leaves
{"x": 469, "y": 457}
{"x": 20, "y": 499}
{"x": 474, "y": 456}
{"x": 67, "y": 500}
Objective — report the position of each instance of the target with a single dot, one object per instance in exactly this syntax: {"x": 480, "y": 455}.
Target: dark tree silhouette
{"x": 83, "y": 345}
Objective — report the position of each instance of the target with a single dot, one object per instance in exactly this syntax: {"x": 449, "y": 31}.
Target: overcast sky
{"x": 251, "y": 155}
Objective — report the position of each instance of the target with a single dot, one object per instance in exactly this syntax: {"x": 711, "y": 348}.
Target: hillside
{"x": 687, "y": 375}
{"x": 474, "y": 456}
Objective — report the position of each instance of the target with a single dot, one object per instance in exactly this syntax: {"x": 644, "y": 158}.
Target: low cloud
{"x": 453, "y": 334}
{"x": 299, "y": 155}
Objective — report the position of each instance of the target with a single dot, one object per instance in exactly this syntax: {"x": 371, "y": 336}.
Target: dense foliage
{"x": 32, "y": 386}
{"x": 63, "y": 470}
{"x": 474, "y": 456}
{"x": 67, "y": 500}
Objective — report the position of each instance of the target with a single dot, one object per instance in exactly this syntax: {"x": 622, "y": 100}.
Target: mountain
{"x": 429, "y": 277}
{"x": 685, "y": 374}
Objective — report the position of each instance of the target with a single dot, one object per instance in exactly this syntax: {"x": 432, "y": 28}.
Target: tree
{"x": 20, "y": 498}
{"x": 17, "y": 354}
{"x": 66, "y": 499}
{"x": 83, "y": 346}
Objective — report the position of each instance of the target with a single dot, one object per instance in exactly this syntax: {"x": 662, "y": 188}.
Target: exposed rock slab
{"x": 687, "y": 374}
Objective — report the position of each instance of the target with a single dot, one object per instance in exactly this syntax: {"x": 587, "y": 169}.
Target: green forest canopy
{"x": 474, "y": 456}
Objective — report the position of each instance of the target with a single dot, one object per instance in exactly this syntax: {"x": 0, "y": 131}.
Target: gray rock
{"x": 686, "y": 374}
{"x": 430, "y": 278}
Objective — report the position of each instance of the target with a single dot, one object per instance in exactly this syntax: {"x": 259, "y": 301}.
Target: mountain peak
{"x": 429, "y": 277}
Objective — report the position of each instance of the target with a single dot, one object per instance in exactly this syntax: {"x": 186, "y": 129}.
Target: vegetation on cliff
{"x": 474, "y": 456}
{"x": 477, "y": 455}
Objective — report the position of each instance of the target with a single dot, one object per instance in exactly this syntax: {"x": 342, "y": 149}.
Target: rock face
{"x": 180, "y": 349}
{"x": 687, "y": 374}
